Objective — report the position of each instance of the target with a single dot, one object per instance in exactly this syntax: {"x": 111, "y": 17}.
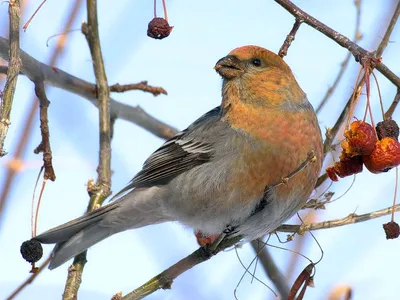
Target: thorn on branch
{"x": 141, "y": 86}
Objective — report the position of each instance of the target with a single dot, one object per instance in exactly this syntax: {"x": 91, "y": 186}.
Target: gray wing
{"x": 187, "y": 149}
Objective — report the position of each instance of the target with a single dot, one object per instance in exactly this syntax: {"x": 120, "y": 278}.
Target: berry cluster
{"x": 376, "y": 148}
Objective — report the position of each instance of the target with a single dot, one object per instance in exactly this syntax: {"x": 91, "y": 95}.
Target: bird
{"x": 224, "y": 173}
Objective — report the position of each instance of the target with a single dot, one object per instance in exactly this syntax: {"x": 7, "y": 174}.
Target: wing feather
{"x": 182, "y": 152}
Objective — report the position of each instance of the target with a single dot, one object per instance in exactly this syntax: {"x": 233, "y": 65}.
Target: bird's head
{"x": 260, "y": 77}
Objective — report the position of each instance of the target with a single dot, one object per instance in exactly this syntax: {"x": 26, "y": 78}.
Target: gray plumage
{"x": 215, "y": 173}
{"x": 156, "y": 194}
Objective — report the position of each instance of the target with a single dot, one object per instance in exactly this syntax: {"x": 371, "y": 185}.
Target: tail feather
{"x": 66, "y": 231}
{"x": 78, "y": 243}
{"x": 137, "y": 209}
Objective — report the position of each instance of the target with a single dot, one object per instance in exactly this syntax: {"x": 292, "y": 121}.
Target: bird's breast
{"x": 279, "y": 142}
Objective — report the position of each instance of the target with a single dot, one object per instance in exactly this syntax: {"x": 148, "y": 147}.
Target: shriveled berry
{"x": 392, "y": 230}
{"x": 346, "y": 166}
{"x": 387, "y": 128}
{"x": 360, "y": 139}
{"x": 31, "y": 251}
{"x": 159, "y": 28}
{"x": 330, "y": 171}
{"x": 386, "y": 155}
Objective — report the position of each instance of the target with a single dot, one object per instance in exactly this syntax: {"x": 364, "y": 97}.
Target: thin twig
{"x": 271, "y": 268}
{"x": 37, "y": 71}
{"x": 102, "y": 189}
{"x": 358, "y": 52}
{"x": 350, "y": 219}
{"x": 343, "y": 66}
{"x": 343, "y": 41}
{"x": 12, "y": 73}
{"x": 392, "y": 108}
{"x": 33, "y": 15}
{"x": 289, "y": 39}
{"x": 141, "y": 86}
{"x": 44, "y": 145}
{"x": 30, "y": 279}
{"x": 385, "y": 40}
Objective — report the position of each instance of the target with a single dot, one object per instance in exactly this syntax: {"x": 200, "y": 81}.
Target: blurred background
{"x": 358, "y": 255}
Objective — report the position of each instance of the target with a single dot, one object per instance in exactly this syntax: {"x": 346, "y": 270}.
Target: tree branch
{"x": 12, "y": 73}
{"x": 165, "y": 279}
{"x": 350, "y": 219}
{"x": 385, "y": 40}
{"x": 44, "y": 145}
{"x": 289, "y": 39}
{"x": 37, "y": 71}
{"x": 358, "y": 52}
{"x": 141, "y": 86}
{"x": 102, "y": 189}
{"x": 392, "y": 108}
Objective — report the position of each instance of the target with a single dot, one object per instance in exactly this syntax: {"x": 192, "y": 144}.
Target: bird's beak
{"x": 229, "y": 67}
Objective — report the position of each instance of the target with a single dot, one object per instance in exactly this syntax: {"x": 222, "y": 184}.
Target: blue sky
{"x": 357, "y": 255}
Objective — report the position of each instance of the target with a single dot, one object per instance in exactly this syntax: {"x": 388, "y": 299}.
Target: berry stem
{"x": 155, "y": 8}
{"x": 368, "y": 89}
{"x": 380, "y": 95}
{"x": 165, "y": 10}
{"x": 354, "y": 99}
{"x": 38, "y": 206}
{"x": 33, "y": 204}
{"x": 395, "y": 192}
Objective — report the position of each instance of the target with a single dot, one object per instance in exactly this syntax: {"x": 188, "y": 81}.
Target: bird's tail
{"x": 134, "y": 210}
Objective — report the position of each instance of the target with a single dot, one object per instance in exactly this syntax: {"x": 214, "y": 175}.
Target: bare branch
{"x": 350, "y": 219}
{"x": 37, "y": 71}
{"x": 102, "y": 189}
{"x": 44, "y": 145}
{"x": 12, "y": 72}
{"x": 289, "y": 39}
{"x": 393, "y": 106}
{"x": 141, "y": 86}
{"x": 383, "y": 44}
{"x": 165, "y": 279}
{"x": 358, "y": 52}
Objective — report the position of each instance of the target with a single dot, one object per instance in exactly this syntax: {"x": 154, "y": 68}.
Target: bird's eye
{"x": 256, "y": 62}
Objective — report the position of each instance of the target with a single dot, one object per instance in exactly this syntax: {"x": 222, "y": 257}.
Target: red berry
{"x": 386, "y": 155}
{"x": 360, "y": 139}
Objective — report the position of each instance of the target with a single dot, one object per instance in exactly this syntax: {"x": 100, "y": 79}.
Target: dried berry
{"x": 159, "y": 28}
{"x": 346, "y": 166}
{"x": 330, "y": 171}
{"x": 386, "y": 155}
{"x": 387, "y": 128}
{"x": 31, "y": 251}
{"x": 392, "y": 230}
{"x": 360, "y": 139}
